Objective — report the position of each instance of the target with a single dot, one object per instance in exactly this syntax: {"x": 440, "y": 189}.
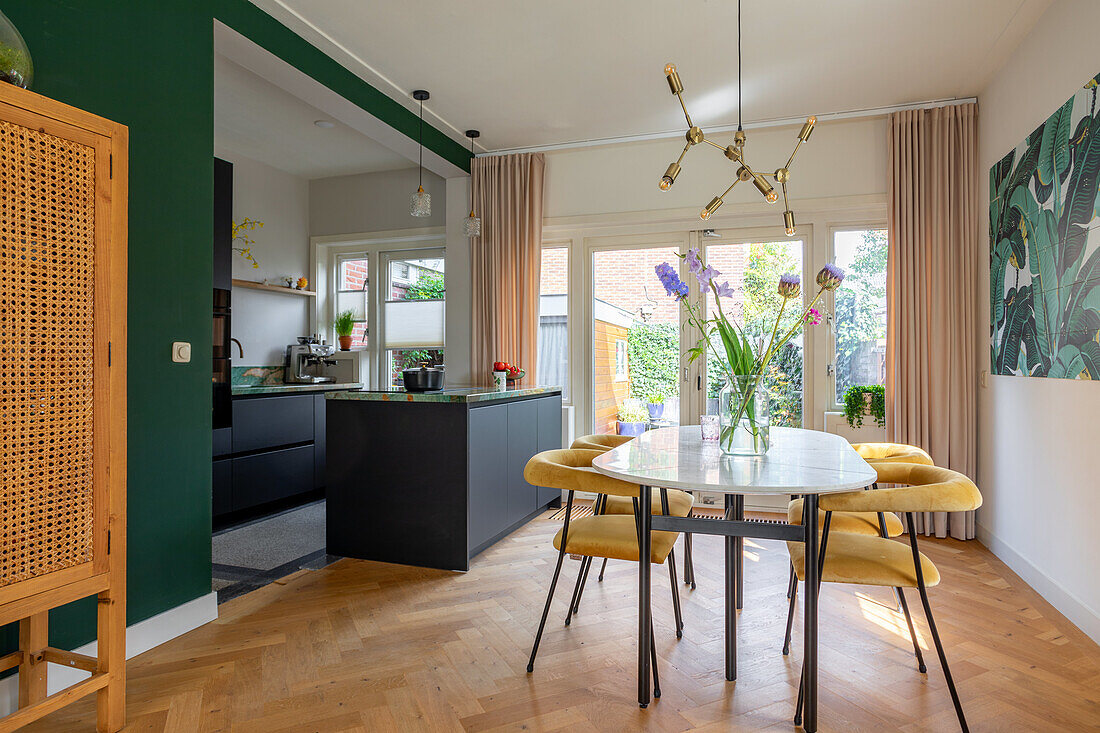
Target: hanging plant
{"x": 863, "y": 400}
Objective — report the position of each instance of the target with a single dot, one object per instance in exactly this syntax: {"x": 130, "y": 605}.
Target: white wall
{"x": 265, "y": 323}
{"x": 1039, "y": 469}
{"x": 373, "y": 202}
{"x": 842, "y": 158}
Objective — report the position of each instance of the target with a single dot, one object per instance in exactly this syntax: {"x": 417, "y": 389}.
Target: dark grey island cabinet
{"x": 433, "y": 479}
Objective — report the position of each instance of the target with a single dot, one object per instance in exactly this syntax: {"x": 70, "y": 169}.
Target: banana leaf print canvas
{"x": 1045, "y": 247}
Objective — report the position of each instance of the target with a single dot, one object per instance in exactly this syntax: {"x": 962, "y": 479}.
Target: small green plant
{"x": 656, "y": 399}
{"x": 855, "y": 404}
{"x": 344, "y": 323}
{"x": 632, "y": 410}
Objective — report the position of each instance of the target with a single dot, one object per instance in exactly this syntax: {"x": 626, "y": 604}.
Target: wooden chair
{"x": 603, "y": 535}
{"x": 865, "y": 560}
{"x": 680, "y": 505}
{"x": 873, "y": 524}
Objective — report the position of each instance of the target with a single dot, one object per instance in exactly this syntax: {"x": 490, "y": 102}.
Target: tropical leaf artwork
{"x": 1044, "y": 248}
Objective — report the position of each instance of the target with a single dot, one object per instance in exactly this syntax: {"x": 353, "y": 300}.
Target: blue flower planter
{"x": 656, "y": 409}
{"x": 631, "y": 428}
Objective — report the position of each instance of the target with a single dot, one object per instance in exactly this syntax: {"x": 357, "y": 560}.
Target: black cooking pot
{"x": 423, "y": 379}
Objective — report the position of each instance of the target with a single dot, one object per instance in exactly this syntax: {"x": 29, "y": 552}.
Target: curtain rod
{"x": 776, "y": 122}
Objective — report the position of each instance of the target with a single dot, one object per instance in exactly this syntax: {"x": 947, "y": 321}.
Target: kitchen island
{"x": 432, "y": 479}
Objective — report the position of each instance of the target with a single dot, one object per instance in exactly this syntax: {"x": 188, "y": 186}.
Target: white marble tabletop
{"x": 798, "y": 462}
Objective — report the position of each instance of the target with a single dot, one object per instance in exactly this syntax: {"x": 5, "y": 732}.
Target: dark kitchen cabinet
{"x": 223, "y": 224}
{"x": 550, "y": 430}
{"x": 223, "y": 486}
{"x": 488, "y": 473}
{"x": 523, "y": 442}
{"x": 268, "y": 422}
{"x": 271, "y": 476}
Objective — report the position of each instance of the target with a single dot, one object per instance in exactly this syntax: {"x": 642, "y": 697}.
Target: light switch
{"x": 181, "y": 351}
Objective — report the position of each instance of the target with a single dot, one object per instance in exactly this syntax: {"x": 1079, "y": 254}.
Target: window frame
{"x": 386, "y": 260}
{"x": 836, "y": 401}
{"x": 568, "y": 390}
{"x": 329, "y": 250}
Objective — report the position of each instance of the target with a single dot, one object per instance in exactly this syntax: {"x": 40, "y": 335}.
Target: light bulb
{"x": 665, "y": 184}
{"x": 670, "y": 69}
{"x": 704, "y": 214}
{"x": 772, "y": 197}
{"x": 812, "y": 120}
{"x": 790, "y": 232}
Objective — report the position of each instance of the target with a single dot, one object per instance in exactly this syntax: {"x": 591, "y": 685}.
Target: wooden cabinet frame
{"x": 78, "y": 540}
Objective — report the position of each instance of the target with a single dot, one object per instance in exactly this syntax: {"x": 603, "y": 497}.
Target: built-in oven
{"x": 223, "y": 398}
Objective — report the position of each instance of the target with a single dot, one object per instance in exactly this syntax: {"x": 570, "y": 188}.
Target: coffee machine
{"x": 304, "y": 359}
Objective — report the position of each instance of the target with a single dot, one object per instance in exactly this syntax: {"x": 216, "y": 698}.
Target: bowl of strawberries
{"x": 512, "y": 372}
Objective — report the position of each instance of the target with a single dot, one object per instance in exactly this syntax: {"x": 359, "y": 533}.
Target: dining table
{"x": 798, "y": 462}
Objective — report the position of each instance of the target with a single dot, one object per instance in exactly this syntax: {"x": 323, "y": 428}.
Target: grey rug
{"x": 272, "y": 542}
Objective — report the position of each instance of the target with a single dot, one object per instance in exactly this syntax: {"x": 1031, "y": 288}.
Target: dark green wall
{"x": 149, "y": 65}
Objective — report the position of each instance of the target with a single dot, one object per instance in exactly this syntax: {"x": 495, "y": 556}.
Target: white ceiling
{"x": 256, "y": 119}
{"x": 529, "y": 74}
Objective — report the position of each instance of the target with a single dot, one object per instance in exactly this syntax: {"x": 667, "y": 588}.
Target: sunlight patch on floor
{"x": 887, "y": 618}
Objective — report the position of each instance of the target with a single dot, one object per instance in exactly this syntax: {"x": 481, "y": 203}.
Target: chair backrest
{"x": 927, "y": 489}
{"x": 571, "y": 469}
{"x": 892, "y": 453}
{"x": 601, "y": 442}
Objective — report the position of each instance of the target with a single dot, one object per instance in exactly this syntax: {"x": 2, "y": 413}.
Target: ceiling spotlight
{"x": 325, "y": 124}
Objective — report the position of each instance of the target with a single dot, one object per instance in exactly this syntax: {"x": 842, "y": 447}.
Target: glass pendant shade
{"x": 421, "y": 204}
{"x": 471, "y": 225}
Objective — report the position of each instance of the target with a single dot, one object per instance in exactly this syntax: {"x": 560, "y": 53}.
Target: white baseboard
{"x": 141, "y": 637}
{"x": 1077, "y": 611}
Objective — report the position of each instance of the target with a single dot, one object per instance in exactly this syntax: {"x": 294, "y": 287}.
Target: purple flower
{"x": 830, "y": 277}
{"x": 692, "y": 260}
{"x": 724, "y": 290}
{"x": 674, "y": 286}
{"x": 813, "y": 317}
{"x": 790, "y": 285}
{"x": 705, "y": 275}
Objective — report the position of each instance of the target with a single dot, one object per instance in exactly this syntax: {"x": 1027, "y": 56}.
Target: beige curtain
{"x": 932, "y": 285}
{"x": 506, "y": 191}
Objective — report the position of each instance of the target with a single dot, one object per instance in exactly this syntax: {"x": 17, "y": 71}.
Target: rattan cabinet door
{"x": 54, "y": 351}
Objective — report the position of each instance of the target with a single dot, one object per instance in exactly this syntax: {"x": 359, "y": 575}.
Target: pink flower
{"x": 813, "y": 317}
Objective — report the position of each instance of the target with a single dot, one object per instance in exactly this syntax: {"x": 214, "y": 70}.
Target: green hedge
{"x": 653, "y": 359}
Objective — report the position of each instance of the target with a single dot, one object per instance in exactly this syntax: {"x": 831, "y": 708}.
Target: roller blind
{"x": 413, "y": 324}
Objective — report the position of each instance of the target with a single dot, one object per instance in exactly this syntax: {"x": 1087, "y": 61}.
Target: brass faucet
{"x": 238, "y": 343}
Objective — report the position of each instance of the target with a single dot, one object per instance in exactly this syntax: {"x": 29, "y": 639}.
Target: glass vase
{"x": 744, "y": 413}
{"x": 15, "y": 60}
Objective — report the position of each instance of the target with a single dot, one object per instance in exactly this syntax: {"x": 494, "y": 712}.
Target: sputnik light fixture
{"x": 471, "y": 225}
{"x": 421, "y": 204}
{"x": 735, "y": 152}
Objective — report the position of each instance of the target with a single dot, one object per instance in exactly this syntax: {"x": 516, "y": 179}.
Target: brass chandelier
{"x": 735, "y": 152}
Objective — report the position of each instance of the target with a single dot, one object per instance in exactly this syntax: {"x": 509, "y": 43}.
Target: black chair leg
{"x": 912, "y": 632}
{"x": 675, "y": 594}
{"x": 653, "y": 656}
{"x": 553, "y": 584}
{"x": 576, "y": 599}
{"x": 602, "y": 568}
{"x": 689, "y": 561}
{"x": 923, "y": 590}
{"x": 792, "y": 593}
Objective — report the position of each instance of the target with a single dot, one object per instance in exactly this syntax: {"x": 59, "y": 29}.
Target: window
{"x": 860, "y": 309}
{"x": 413, "y": 313}
{"x": 620, "y": 360}
{"x": 553, "y": 338}
{"x": 351, "y": 294}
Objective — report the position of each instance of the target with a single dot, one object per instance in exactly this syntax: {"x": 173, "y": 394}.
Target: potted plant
{"x": 656, "y": 406}
{"x": 632, "y": 417}
{"x": 344, "y": 324}
{"x": 861, "y": 400}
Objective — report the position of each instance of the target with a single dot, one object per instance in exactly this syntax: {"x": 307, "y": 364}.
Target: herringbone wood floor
{"x": 363, "y": 646}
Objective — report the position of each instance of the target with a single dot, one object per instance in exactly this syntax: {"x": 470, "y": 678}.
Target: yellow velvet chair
{"x": 872, "y": 524}
{"x": 866, "y": 560}
{"x": 598, "y": 535}
{"x": 680, "y": 504}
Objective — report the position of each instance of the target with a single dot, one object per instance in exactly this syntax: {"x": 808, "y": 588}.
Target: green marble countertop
{"x": 259, "y": 389}
{"x": 448, "y": 394}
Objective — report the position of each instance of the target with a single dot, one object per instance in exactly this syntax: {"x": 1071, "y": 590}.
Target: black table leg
{"x": 809, "y": 598}
{"x": 739, "y": 515}
{"x": 645, "y": 620}
{"x": 731, "y": 596}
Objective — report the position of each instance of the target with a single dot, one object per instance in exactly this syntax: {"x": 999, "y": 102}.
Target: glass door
{"x": 753, "y": 266}
{"x": 413, "y": 312}
{"x": 636, "y": 346}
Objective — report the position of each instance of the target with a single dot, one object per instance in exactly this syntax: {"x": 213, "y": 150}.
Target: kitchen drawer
{"x": 269, "y": 422}
{"x": 222, "y": 493}
{"x": 272, "y": 476}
